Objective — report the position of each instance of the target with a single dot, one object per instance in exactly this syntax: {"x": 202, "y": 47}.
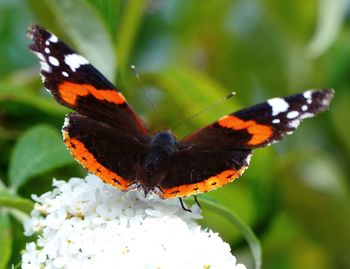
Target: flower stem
{"x": 246, "y": 231}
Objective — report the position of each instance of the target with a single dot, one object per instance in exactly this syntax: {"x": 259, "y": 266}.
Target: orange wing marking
{"x": 83, "y": 156}
{"x": 69, "y": 92}
{"x": 209, "y": 184}
{"x": 260, "y": 133}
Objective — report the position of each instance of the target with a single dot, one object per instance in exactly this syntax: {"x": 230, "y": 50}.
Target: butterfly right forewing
{"x": 264, "y": 123}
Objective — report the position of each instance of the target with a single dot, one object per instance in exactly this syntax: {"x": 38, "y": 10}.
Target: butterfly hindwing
{"x": 193, "y": 170}
{"x": 76, "y": 84}
{"x": 104, "y": 150}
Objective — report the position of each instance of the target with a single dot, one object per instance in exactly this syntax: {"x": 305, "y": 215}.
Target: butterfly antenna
{"x": 204, "y": 110}
{"x": 133, "y": 68}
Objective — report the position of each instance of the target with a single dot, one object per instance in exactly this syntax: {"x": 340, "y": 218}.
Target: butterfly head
{"x": 163, "y": 141}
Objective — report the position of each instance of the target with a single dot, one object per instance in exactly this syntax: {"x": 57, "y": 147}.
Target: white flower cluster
{"x": 84, "y": 223}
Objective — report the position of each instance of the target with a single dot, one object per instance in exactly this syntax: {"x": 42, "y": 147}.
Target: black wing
{"x": 220, "y": 152}
{"x": 104, "y": 151}
{"x": 76, "y": 84}
{"x": 105, "y": 136}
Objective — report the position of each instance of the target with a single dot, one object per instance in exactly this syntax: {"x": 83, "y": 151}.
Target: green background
{"x": 190, "y": 54}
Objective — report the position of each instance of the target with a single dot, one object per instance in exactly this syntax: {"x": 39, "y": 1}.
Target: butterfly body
{"x": 108, "y": 138}
{"x": 153, "y": 165}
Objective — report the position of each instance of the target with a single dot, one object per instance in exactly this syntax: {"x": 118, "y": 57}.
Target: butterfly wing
{"x": 76, "y": 84}
{"x": 264, "y": 123}
{"x": 193, "y": 170}
{"x": 220, "y": 152}
{"x": 112, "y": 155}
{"x": 105, "y": 136}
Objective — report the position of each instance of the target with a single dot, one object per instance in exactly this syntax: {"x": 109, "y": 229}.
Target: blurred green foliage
{"x": 295, "y": 195}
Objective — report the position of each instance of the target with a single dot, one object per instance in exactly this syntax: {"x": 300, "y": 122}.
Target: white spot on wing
{"x": 275, "y": 121}
{"x": 47, "y": 42}
{"x": 53, "y": 38}
{"x": 40, "y": 56}
{"x": 45, "y": 67}
{"x": 248, "y": 159}
{"x": 47, "y": 50}
{"x": 304, "y": 107}
{"x": 66, "y": 122}
{"x": 294, "y": 124}
{"x": 292, "y": 114}
{"x": 74, "y": 61}
{"x": 65, "y": 125}
{"x": 308, "y": 96}
{"x": 278, "y": 105}
{"x": 43, "y": 64}
{"x": 306, "y": 115}
{"x": 65, "y": 74}
{"x": 54, "y": 61}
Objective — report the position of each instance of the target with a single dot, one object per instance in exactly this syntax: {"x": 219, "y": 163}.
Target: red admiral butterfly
{"x": 108, "y": 138}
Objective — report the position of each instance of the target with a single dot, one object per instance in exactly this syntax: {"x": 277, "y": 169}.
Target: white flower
{"x": 84, "y": 223}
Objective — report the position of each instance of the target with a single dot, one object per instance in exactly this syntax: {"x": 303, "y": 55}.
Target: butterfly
{"x": 109, "y": 139}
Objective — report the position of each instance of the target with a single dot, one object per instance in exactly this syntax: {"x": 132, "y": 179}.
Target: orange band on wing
{"x": 83, "y": 156}
{"x": 70, "y": 91}
{"x": 209, "y": 184}
{"x": 260, "y": 133}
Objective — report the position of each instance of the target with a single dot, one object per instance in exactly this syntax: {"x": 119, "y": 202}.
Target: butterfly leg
{"x": 183, "y": 206}
{"x": 196, "y": 201}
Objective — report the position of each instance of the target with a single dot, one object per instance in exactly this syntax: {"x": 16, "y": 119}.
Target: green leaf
{"x": 127, "y": 30}
{"x": 318, "y": 189}
{"x": 340, "y": 106}
{"x": 22, "y": 95}
{"x": 332, "y": 14}
{"x": 79, "y": 21}
{"x": 109, "y": 11}
{"x": 247, "y": 233}
{"x": 6, "y": 239}
{"x": 13, "y": 201}
{"x": 39, "y": 150}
